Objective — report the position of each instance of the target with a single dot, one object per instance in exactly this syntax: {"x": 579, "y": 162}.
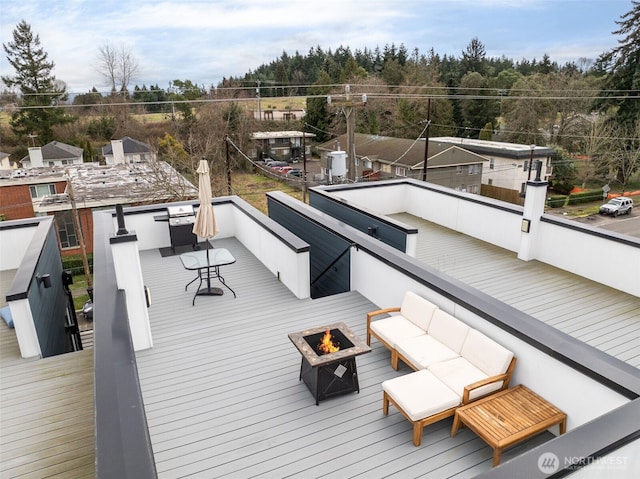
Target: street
{"x": 627, "y": 224}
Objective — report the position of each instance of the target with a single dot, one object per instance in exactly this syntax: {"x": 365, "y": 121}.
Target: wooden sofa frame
{"x": 419, "y": 425}
{"x": 370, "y": 316}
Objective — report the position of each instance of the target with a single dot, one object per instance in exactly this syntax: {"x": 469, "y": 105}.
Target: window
{"x": 38, "y": 191}
{"x": 459, "y": 169}
{"x": 490, "y": 181}
{"x": 491, "y": 163}
{"x": 66, "y": 229}
{"x": 401, "y": 171}
{"x": 526, "y": 165}
{"x": 475, "y": 169}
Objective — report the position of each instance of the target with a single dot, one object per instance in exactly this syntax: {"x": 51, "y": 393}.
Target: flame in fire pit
{"x": 326, "y": 345}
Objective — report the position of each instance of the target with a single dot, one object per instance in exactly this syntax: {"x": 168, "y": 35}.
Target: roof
{"x": 130, "y": 146}
{"x": 58, "y": 151}
{"x": 223, "y": 397}
{"x": 96, "y": 185}
{"x": 499, "y": 148}
{"x": 402, "y": 151}
{"x": 266, "y": 135}
{"x": 139, "y": 182}
{"x": 33, "y": 176}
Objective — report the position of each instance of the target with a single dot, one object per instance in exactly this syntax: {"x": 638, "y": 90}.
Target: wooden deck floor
{"x": 46, "y": 413}
{"x": 46, "y": 410}
{"x": 601, "y": 316}
{"x": 223, "y": 399}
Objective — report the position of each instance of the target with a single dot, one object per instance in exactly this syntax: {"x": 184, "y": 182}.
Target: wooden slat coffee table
{"x": 508, "y": 417}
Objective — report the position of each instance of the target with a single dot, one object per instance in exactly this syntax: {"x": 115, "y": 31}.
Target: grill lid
{"x": 180, "y": 210}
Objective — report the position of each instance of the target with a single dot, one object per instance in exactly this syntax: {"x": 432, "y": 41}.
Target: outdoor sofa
{"x": 453, "y": 363}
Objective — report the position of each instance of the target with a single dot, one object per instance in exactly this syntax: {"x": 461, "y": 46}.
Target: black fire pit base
{"x": 332, "y": 373}
{"x": 332, "y": 379}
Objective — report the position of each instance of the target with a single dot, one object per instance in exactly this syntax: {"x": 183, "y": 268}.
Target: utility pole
{"x": 348, "y": 105}
{"x": 258, "y": 96}
{"x": 426, "y": 141}
{"x": 78, "y": 226}
{"x": 228, "y": 164}
{"x": 304, "y": 165}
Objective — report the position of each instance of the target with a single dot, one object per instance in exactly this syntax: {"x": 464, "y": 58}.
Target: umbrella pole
{"x": 208, "y": 267}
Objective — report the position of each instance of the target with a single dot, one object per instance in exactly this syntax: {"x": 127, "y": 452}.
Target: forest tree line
{"x": 588, "y": 108}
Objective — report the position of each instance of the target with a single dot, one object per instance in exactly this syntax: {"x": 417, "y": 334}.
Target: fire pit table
{"x": 329, "y": 359}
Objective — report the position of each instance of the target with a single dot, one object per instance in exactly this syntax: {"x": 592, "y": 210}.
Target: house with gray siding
{"x": 382, "y": 157}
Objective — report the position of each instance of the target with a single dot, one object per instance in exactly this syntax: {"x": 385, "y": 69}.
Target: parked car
{"x": 87, "y": 310}
{"x": 617, "y": 206}
{"x": 273, "y": 163}
{"x": 294, "y": 172}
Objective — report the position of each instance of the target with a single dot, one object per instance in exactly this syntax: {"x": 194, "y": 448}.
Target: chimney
{"x": 118, "y": 152}
{"x": 35, "y": 157}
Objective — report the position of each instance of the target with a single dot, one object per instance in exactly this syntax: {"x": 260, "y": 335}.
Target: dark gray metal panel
{"x": 384, "y": 229}
{"x": 329, "y": 254}
{"x": 48, "y": 305}
{"x": 24, "y": 275}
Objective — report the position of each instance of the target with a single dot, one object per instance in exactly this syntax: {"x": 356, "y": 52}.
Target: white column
{"x": 25, "y": 328}
{"x": 126, "y": 262}
{"x": 534, "y": 201}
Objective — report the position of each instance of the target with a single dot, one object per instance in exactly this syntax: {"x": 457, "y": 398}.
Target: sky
{"x": 206, "y": 41}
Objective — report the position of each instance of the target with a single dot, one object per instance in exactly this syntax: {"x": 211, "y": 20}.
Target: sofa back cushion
{"x": 448, "y": 330}
{"x": 417, "y": 310}
{"x": 485, "y": 354}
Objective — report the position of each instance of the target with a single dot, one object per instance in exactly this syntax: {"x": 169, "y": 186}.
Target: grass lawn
{"x": 252, "y": 188}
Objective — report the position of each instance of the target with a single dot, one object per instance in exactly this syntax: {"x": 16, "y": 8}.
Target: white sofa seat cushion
{"x": 394, "y": 329}
{"x": 421, "y": 394}
{"x": 423, "y": 351}
{"x": 448, "y": 330}
{"x": 417, "y": 310}
{"x": 486, "y": 354}
{"x": 458, "y": 373}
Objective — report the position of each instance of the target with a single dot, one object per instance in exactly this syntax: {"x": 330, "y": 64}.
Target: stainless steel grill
{"x": 181, "y": 219}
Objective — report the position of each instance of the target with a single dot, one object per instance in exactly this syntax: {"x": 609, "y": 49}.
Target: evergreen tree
{"x": 474, "y": 58}
{"x": 38, "y": 87}
{"x": 318, "y": 117}
{"x": 623, "y": 65}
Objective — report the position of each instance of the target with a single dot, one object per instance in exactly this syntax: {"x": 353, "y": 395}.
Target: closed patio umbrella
{"x": 205, "y": 222}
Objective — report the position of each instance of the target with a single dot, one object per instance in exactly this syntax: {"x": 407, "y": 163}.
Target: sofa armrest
{"x": 379, "y": 312}
{"x": 505, "y": 378}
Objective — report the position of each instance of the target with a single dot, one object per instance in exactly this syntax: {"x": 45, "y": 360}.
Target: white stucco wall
{"x": 13, "y": 245}
{"x": 291, "y": 267}
{"x": 560, "y": 388}
{"x": 571, "y": 246}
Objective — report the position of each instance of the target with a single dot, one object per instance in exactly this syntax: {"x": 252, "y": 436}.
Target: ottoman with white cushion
{"x": 429, "y": 395}
{"x": 422, "y": 398}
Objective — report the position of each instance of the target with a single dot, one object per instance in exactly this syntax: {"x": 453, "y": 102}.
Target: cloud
{"x": 204, "y": 41}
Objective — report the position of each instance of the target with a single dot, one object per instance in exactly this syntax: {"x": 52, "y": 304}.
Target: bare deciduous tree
{"x": 117, "y": 65}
